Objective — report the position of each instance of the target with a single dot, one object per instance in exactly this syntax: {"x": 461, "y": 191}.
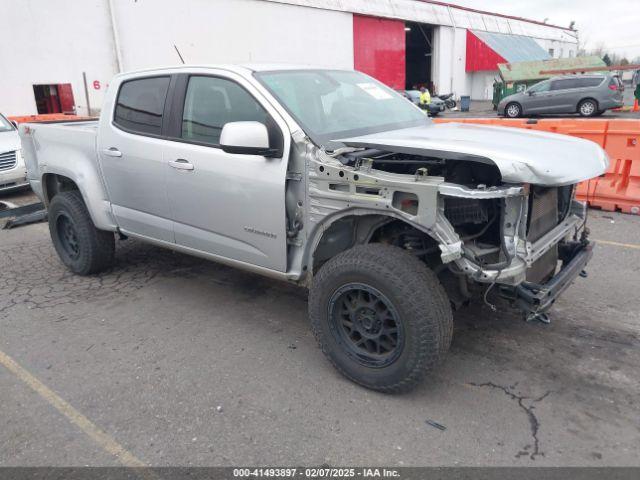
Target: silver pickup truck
{"x": 331, "y": 180}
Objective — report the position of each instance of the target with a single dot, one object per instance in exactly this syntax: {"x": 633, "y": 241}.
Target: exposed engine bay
{"x": 496, "y": 232}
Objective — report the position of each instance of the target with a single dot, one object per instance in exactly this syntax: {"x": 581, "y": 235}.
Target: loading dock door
{"x": 419, "y": 56}
{"x": 379, "y": 49}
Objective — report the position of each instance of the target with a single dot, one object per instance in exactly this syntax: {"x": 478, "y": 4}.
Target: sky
{"x": 614, "y": 23}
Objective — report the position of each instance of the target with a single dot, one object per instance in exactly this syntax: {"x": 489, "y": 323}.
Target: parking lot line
{"x": 94, "y": 432}
{"x": 619, "y": 244}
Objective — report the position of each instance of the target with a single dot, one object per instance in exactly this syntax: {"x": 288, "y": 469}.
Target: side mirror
{"x": 530, "y": 93}
{"x": 246, "y": 138}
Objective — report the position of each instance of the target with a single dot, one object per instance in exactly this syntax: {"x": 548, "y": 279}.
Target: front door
{"x": 228, "y": 205}
{"x": 131, "y": 156}
{"x": 538, "y": 98}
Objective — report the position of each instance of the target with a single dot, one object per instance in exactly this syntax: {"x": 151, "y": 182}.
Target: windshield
{"x": 334, "y": 104}
{"x": 5, "y": 125}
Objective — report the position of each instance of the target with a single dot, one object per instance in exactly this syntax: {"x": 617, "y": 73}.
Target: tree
{"x": 606, "y": 59}
{"x": 624, "y": 61}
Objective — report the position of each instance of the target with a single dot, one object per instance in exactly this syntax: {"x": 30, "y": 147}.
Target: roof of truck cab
{"x": 237, "y": 68}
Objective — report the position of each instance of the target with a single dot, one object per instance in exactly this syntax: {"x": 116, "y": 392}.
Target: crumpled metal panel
{"x": 522, "y": 156}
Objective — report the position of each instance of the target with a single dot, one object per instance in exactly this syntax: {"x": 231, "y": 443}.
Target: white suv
{"x": 13, "y": 172}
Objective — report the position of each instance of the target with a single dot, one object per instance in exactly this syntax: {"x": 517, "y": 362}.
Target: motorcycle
{"x": 448, "y": 100}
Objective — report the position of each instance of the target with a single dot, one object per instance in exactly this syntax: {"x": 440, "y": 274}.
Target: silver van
{"x": 587, "y": 95}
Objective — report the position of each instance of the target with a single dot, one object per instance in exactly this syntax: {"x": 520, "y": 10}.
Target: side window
{"x": 540, "y": 87}
{"x": 212, "y": 102}
{"x": 589, "y": 82}
{"x": 140, "y": 105}
{"x": 563, "y": 84}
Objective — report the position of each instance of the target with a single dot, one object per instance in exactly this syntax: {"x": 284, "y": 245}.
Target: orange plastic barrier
{"x": 619, "y": 187}
{"x": 48, "y": 117}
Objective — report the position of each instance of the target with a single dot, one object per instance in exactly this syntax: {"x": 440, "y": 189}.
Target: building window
{"x": 552, "y": 52}
{"x": 570, "y": 53}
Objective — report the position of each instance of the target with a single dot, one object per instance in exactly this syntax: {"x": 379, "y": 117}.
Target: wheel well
{"x": 352, "y": 230}
{"x": 589, "y": 98}
{"x": 514, "y": 103}
{"x": 54, "y": 184}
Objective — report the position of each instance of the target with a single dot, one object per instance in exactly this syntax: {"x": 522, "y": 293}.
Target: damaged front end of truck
{"x": 524, "y": 237}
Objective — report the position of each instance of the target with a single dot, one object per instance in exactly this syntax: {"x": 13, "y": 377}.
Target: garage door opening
{"x": 57, "y": 98}
{"x": 419, "y": 55}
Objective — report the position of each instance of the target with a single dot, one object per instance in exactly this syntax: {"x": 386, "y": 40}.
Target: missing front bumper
{"x": 538, "y": 298}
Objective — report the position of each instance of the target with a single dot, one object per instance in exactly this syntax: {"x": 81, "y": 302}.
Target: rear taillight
{"x": 613, "y": 87}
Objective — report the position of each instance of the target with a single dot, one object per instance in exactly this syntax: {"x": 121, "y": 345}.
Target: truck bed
{"x": 63, "y": 146}
{"x": 56, "y": 142}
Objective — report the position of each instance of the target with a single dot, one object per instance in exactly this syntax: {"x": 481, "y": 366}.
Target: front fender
{"x": 380, "y": 217}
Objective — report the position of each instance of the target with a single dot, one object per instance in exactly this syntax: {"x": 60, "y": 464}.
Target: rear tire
{"x": 588, "y": 108}
{"x": 82, "y": 248}
{"x": 380, "y": 316}
{"x": 513, "y": 110}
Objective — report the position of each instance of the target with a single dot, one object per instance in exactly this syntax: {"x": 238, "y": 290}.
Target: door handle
{"x": 181, "y": 164}
{"x": 112, "y": 152}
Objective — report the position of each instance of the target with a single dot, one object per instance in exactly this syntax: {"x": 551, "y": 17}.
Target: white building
{"x": 50, "y": 48}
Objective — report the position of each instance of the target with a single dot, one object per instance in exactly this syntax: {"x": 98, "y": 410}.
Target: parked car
{"x": 13, "y": 172}
{"x": 326, "y": 179}
{"x": 587, "y": 95}
{"x": 435, "y": 107}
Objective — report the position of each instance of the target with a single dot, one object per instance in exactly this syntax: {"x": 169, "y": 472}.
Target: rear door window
{"x": 570, "y": 83}
{"x": 589, "y": 82}
{"x": 564, "y": 84}
{"x": 210, "y": 103}
{"x": 140, "y": 105}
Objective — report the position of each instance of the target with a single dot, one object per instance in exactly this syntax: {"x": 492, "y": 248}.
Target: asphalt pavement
{"x": 171, "y": 360}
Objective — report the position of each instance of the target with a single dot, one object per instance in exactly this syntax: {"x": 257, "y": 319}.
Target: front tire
{"x": 380, "y": 316}
{"x": 588, "y": 108}
{"x": 513, "y": 110}
{"x": 82, "y": 248}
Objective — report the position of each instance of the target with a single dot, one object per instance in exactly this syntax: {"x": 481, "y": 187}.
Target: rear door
{"x": 227, "y": 205}
{"x": 130, "y": 147}
{"x": 615, "y": 88}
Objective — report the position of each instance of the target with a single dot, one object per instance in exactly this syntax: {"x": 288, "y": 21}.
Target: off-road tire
{"x": 95, "y": 248}
{"x": 416, "y": 295}
{"x": 510, "y": 110}
{"x": 588, "y": 108}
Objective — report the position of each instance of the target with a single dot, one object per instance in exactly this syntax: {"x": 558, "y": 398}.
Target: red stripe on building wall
{"x": 480, "y": 56}
{"x": 379, "y": 49}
